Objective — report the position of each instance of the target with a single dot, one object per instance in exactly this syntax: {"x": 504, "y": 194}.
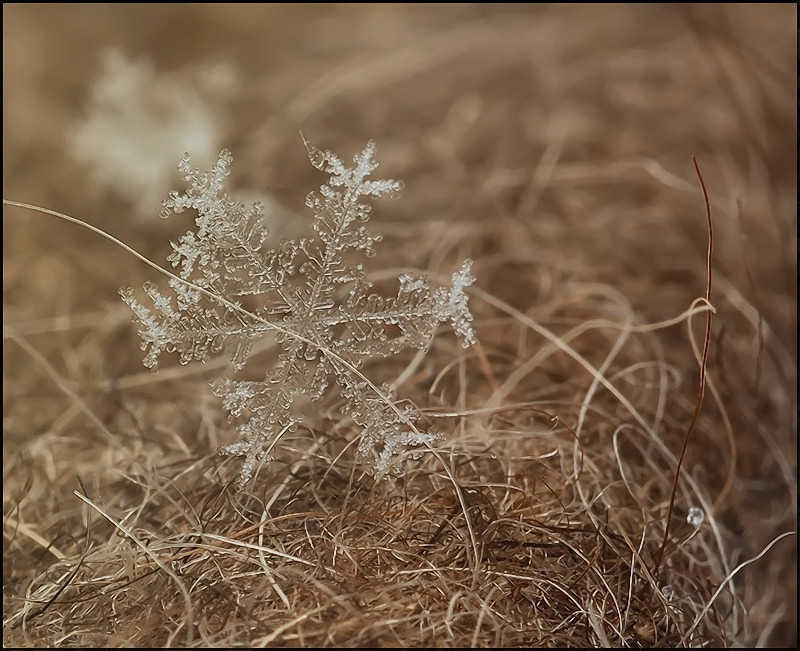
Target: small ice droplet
{"x": 696, "y": 516}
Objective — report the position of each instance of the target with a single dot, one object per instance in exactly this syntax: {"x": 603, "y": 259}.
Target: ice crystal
{"x": 311, "y": 296}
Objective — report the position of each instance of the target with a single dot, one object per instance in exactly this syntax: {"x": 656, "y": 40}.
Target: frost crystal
{"x": 311, "y": 297}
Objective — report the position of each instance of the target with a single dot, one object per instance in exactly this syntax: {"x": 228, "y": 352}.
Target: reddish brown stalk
{"x": 702, "y": 383}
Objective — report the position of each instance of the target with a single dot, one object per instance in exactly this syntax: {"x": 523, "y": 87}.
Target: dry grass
{"x": 552, "y": 144}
